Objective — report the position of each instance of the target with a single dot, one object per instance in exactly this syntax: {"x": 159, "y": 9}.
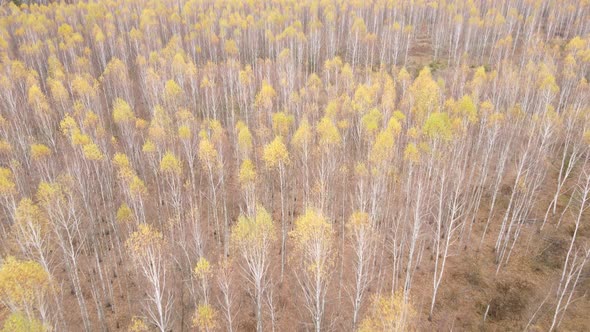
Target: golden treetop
{"x": 202, "y": 269}
{"x": 145, "y": 240}
{"x": 7, "y": 185}
{"x": 438, "y": 126}
{"x": 170, "y": 164}
{"x": 23, "y": 282}
{"x": 122, "y": 112}
{"x": 40, "y": 151}
{"x": 388, "y": 313}
{"x": 92, "y": 152}
{"x": 205, "y": 317}
{"x": 265, "y": 97}
{"x": 124, "y": 214}
{"x": 19, "y": 322}
{"x": 328, "y": 133}
{"x": 303, "y": 135}
{"x": 208, "y": 155}
{"x": 253, "y": 232}
{"x": 281, "y": 123}
{"x": 275, "y": 153}
{"x": 247, "y": 174}
{"x": 426, "y": 94}
{"x": 310, "y": 227}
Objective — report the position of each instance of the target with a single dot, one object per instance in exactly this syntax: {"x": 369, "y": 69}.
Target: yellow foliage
{"x": 364, "y": 97}
{"x": 382, "y": 149}
{"x": 359, "y": 26}
{"x": 546, "y": 80}
{"x": 389, "y": 96}
{"x": 82, "y": 88}
{"x": 333, "y": 64}
{"x": 145, "y": 240}
{"x": 264, "y": 98}
{"x": 78, "y": 138}
{"x": 49, "y": 194}
{"x": 275, "y": 153}
{"x": 122, "y": 112}
{"x": 247, "y": 173}
{"x": 303, "y": 135}
{"x": 5, "y": 147}
{"x": 281, "y": 123}
{"x": 576, "y": 44}
{"x": 148, "y": 146}
{"x": 426, "y": 93}
{"x": 346, "y": 73}
{"x": 91, "y": 120}
{"x": 40, "y": 151}
{"x": 438, "y": 126}
{"x": 252, "y": 233}
{"x": 161, "y": 125}
{"x": 185, "y": 116}
{"x": 137, "y": 325}
{"x": 245, "y": 76}
{"x": 208, "y": 154}
{"x": 314, "y": 83}
{"x": 486, "y": 107}
{"x": 28, "y": 214}
{"x": 23, "y": 283}
{"x": 56, "y": 69}
{"x": 137, "y": 187}
{"x": 170, "y": 164}
{"x": 120, "y": 160}
{"x": 172, "y": 92}
{"x": 178, "y": 64}
{"x": 358, "y": 220}
{"x": 99, "y": 36}
{"x": 394, "y": 126}
{"x": 310, "y": 225}
{"x": 244, "y": 138}
{"x": 57, "y": 90}
{"x": 466, "y": 108}
{"x": 67, "y": 125}
{"x": 68, "y": 36}
{"x": 388, "y": 314}
{"x": 7, "y": 185}
{"x": 331, "y": 110}
{"x": 371, "y": 121}
{"x": 92, "y": 152}
{"x": 124, "y": 214}
{"x": 360, "y": 170}
{"x": 216, "y": 129}
{"x": 202, "y": 269}
{"x": 413, "y": 133}
{"x": 184, "y": 132}
{"x": 19, "y": 322}
{"x": 313, "y": 241}
{"x": 328, "y": 133}
{"x": 231, "y": 47}
{"x": 411, "y": 153}
{"x": 479, "y": 77}
{"x": 205, "y": 317}
{"x": 37, "y": 99}
{"x": 403, "y": 75}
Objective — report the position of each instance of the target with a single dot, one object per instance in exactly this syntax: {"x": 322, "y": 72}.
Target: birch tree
{"x": 146, "y": 246}
{"x": 252, "y": 239}
{"x": 313, "y": 258}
